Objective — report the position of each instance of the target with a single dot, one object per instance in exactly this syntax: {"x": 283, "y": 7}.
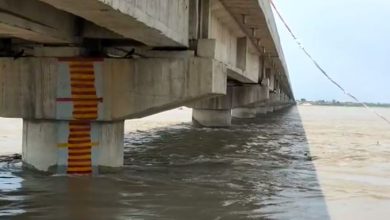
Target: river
{"x": 305, "y": 162}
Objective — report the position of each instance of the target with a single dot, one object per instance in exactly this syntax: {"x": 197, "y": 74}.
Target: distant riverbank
{"x": 342, "y": 104}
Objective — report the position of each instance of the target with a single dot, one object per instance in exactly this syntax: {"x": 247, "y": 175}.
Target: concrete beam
{"x": 42, "y": 88}
{"x": 255, "y": 18}
{"x": 249, "y": 95}
{"x": 208, "y": 48}
{"x": 154, "y": 22}
{"x": 35, "y": 21}
{"x": 236, "y": 96}
{"x": 163, "y": 84}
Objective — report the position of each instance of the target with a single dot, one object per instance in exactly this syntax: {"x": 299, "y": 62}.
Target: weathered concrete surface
{"x": 36, "y": 21}
{"x": 130, "y": 88}
{"x": 124, "y": 59}
{"x": 163, "y": 84}
{"x": 153, "y": 22}
{"x": 236, "y": 96}
{"x": 44, "y": 150}
{"x": 249, "y": 95}
{"x": 261, "y": 110}
{"x": 248, "y": 112}
{"x": 238, "y": 102}
{"x": 212, "y": 118}
{"x": 28, "y": 88}
{"x": 256, "y": 20}
{"x": 110, "y": 152}
{"x": 40, "y": 144}
{"x": 248, "y": 68}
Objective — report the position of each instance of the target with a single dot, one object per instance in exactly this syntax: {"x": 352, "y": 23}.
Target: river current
{"x": 300, "y": 163}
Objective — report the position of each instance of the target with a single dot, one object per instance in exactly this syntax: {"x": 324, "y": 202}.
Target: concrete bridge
{"x": 75, "y": 70}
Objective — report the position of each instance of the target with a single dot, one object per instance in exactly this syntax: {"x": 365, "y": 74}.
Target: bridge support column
{"x": 261, "y": 110}
{"x": 73, "y": 147}
{"x": 244, "y": 112}
{"x": 212, "y": 118}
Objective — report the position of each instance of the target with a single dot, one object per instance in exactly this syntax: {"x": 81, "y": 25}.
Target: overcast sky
{"x": 349, "y": 38}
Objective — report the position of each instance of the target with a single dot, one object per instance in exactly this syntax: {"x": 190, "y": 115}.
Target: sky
{"x": 349, "y": 38}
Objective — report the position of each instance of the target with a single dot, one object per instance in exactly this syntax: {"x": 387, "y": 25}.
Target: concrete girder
{"x": 40, "y": 88}
{"x": 236, "y": 96}
{"x": 245, "y": 73}
{"x": 154, "y": 22}
{"x": 165, "y": 84}
{"x": 255, "y": 17}
{"x": 217, "y": 111}
{"x": 36, "y": 21}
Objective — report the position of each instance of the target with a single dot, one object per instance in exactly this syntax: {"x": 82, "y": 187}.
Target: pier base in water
{"x": 72, "y": 147}
{"x": 261, "y": 110}
{"x": 212, "y": 118}
{"x": 244, "y": 112}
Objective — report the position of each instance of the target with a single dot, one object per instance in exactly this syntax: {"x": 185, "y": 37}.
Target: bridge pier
{"x": 73, "y": 147}
{"x": 239, "y": 102}
{"x": 244, "y": 112}
{"x": 74, "y": 108}
{"x": 213, "y": 112}
{"x": 76, "y": 76}
{"x": 262, "y": 110}
{"x": 213, "y": 118}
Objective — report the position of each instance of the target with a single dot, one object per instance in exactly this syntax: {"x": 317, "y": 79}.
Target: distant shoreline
{"x": 343, "y": 104}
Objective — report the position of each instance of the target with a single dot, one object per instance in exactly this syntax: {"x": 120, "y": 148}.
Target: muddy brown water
{"x": 321, "y": 165}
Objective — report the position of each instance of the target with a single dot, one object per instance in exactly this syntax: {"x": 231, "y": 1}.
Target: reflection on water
{"x": 258, "y": 169}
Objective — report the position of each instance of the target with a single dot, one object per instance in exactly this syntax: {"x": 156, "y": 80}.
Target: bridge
{"x": 75, "y": 70}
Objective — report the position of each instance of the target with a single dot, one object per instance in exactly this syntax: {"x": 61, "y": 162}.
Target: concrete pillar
{"x": 212, "y": 118}
{"x": 270, "y": 109}
{"x": 261, "y": 110}
{"x": 244, "y": 112}
{"x": 73, "y": 147}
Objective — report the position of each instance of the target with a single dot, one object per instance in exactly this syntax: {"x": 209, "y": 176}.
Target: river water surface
{"x": 304, "y": 162}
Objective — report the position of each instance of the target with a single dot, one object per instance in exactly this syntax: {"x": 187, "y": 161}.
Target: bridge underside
{"x": 75, "y": 70}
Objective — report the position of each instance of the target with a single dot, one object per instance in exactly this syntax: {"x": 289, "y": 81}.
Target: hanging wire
{"x": 321, "y": 69}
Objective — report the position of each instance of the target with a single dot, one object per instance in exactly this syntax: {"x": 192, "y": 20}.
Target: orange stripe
{"x": 80, "y": 126}
{"x": 86, "y": 109}
{"x": 84, "y": 89}
{"x": 79, "y": 169}
{"x": 83, "y": 85}
{"x": 75, "y": 76}
{"x": 75, "y": 148}
{"x": 83, "y": 112}
{"x": 80, "y": 133}
{"x": 85, "y": 102}
{"x": 85, "y": 138}
{"x": 80, "y": 163}
{"x": 88, "y": 166}
{"x": 82, "y": 71}
{"x": 73, "y": 135}
{"x": 79, "y": 152}
{"x": 72, "y": 154}
{"x": 85, "y": 117}
{"x": 81, "y": 145}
